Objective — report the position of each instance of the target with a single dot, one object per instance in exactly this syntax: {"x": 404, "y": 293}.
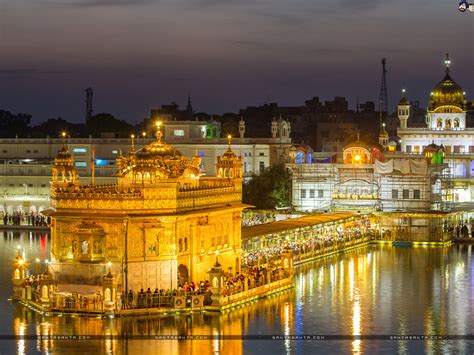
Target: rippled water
{"x": 377, "y": 290}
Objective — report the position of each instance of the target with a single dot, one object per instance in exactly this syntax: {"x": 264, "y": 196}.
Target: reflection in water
{"x": 377, "y": 290}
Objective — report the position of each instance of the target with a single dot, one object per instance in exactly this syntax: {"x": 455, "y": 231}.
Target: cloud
{"x": 98, "y": 3}
{"x": 17, "y": 72}
{"x": 360, "y": 5}
{"x": 12, "y": 73}
{"x": 248, "y": 43}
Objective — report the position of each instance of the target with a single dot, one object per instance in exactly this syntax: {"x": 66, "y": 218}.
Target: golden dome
{"x": 63, "y": 154}
{"x": 229, "y": 155}
{"x": 157, "y": 149}
{"x": 447, "y": 93}
{"x": 157, "y": 160}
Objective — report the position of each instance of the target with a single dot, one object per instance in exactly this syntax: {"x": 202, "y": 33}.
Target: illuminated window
{"x": 416, "y": 194}
{"x": 406, "y": 193}
{"x": 114, "y": 152}
{"x": 394, "y": 193}
{"x": 200, "y": 154}
{"x": 100, "y": 162}
{"x": 79, "y": 150}
{"x": 178, "y": 133}
{"x": 303, "y": 193}
{"x": 80, "y": 164}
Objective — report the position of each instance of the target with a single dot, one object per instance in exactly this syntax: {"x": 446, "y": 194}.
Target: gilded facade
{"x": 160, "y": 224}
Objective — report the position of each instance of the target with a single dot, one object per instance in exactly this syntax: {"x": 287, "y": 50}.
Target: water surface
{"x": 377, "y": 290}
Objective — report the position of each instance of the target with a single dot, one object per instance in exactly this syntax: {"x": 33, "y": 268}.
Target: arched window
{"x": 456, "y": 123}
{"x": 439, "y": 123}
{"x": 448, "y": 124}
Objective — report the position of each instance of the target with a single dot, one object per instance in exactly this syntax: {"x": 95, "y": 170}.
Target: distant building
{"x": 366, "y": 178}
{"x": 446, "y": 124}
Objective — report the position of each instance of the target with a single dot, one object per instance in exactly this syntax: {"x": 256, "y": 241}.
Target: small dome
{"x": 404, "y": 101}
{"x": 361, "y": 144}
{"x": 433, "y": 148}
{"x": 63, "y": 154}
{"x": 229, "y": 155}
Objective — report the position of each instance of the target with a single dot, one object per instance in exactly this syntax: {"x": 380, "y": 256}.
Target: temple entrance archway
{"x": 183, "y": 274}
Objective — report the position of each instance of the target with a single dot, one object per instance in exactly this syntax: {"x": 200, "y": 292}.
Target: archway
{"x": 183, "y": 274}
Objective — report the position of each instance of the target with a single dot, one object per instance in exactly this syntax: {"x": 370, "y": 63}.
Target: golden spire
{"x": 229, "y": 141}
{"x": 158, "y": 131}
{"x": 447, "y": 63}
{"x": 63, "y": 137}
{"x": 132, "y": 138}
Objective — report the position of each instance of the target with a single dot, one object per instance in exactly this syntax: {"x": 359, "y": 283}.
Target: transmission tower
{"x": 89, "y": 110}
{"x": 383, "y": 99}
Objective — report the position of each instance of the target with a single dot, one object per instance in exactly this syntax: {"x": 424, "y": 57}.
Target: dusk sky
{"x": 229, "y": 54}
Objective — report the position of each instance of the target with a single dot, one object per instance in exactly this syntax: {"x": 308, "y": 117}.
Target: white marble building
{"x": 445, "y": 125}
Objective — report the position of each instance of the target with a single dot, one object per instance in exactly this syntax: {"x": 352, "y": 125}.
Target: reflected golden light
{"x": 351, "y": 278}
{"x": 357, "y": 157}
{"x": 286, "y": 324}
{"x": 158, "y": 124}
{"x": 19, "y": 328}
{"x": 356, "y": 326}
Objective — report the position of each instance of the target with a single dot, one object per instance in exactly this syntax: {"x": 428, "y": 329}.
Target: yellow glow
{"x": 357, "y": 157}
{"x": 63, "y": 134}
{"x": 158, "y": 124}
{"x": 144, "y": 134}
{"x": 21, "y": 261}
{"x": 132, "y": 136}
{"x": 229, "y": 136}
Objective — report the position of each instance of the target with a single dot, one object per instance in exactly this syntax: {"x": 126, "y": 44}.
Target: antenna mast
{"x": 383, "y": 99}
{"x": 89, "y": 110}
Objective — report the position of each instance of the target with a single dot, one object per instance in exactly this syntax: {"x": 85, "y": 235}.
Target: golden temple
{"x": 161, "y": 224}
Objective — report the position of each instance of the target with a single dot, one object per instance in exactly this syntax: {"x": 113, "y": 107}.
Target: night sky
{"x": 139, "y": 54}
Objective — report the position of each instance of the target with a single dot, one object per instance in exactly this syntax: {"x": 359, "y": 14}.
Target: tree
{"x": 268, "y": 190}
{"x": 14, "y": 124}
{"x": 107, "y": 123}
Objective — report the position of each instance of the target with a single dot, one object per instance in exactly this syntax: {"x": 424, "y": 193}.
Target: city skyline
{"x": 228, "y": 55}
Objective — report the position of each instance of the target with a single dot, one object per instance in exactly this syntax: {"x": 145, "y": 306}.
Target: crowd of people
{"x": 272, "y": 255}
{"x": 464, "y": 230}
{"x": 20, "y": 218}
{"x": 164, "y": 298}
